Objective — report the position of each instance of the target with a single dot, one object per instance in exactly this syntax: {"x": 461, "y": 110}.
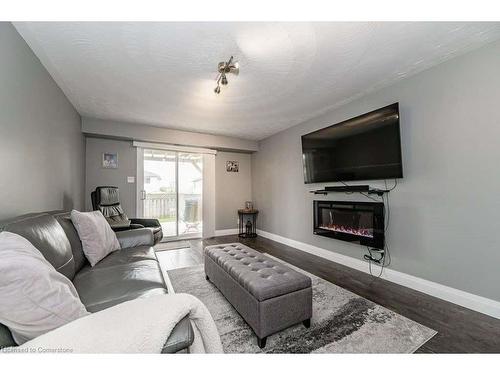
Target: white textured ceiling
{"x": 163, "y": 73}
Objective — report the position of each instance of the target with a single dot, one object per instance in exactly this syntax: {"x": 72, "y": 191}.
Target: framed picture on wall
{"x": 232, "y": 166}
{"x": 110, "y": 160}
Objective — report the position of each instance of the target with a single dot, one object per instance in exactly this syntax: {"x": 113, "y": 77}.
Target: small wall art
{"x": 232, "y": 166}
{"x": 110, "y": 160}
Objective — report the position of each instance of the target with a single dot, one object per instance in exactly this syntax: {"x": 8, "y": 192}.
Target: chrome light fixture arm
{"x": 223, "y": 68}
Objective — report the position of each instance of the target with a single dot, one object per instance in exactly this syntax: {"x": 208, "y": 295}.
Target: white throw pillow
{"x": 98, "y": 239}
{"x": 34, "y": 297}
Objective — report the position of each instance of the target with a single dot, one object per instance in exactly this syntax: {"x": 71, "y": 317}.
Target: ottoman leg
{"x": 307, "y": 323}
{"x": 207, "y": 278}
{"x": 261, "y": 342}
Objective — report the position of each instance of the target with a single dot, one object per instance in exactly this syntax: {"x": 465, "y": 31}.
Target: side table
{"x": 247, "y": 223}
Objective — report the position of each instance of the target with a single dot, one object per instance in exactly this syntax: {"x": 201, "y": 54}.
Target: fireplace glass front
{"x": 359, "y": 222}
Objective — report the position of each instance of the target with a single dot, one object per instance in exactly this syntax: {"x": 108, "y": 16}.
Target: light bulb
{"x": 217, "y": 90}
{"x": 235, "y": 68}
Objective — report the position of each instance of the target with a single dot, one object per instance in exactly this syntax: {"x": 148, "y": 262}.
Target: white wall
{"x": 232, "y": 189}
{"x": 445, "y": 211}
{"x": 41, "y": 144}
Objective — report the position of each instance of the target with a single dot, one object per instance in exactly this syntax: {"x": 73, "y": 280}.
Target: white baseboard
{"x": 225, "y": 232}
{"x": 471, "y": 301}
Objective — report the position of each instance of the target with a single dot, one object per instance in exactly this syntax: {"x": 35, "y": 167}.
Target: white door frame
{"x": 139, "y": 194}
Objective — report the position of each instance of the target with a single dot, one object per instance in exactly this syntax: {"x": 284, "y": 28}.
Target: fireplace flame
{"x": 345, "y": 229}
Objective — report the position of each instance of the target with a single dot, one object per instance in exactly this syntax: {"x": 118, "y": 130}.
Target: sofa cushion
{"x": 47, "y": 236}
{"x": 127, "y": 256}
{"x": 121, "y": 276}
{"x": 35, "y": 297}
{"x": 98, "y": 239}
{"x": 64, "y": 219}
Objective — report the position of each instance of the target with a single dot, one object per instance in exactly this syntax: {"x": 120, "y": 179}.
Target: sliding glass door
{"x": 190, "y": 188}
{"x": 171, "y": 191}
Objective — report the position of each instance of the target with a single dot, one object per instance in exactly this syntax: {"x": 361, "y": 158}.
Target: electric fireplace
{"x": 359, "y": 222}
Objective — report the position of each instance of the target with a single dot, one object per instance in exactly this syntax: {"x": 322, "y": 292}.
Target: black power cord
{"x": 384, "y": 259}
{"x": 370, "y": 258}
{"x": 380, "y": 260}
{"x": 384, "y": 255}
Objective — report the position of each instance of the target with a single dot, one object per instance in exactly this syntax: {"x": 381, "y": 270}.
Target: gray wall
{"x": 444, "y": 214}
{"x": 98, "y": 176}
{"x": 147, "y": 133}
{"x": 231, "y": 189}
{"x": 41, "y": 144}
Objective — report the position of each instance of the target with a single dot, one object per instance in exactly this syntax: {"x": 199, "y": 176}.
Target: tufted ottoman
{"x": 268, "y": 295}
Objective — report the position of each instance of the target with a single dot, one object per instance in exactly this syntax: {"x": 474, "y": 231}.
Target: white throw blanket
{"x": 138, "y": 326}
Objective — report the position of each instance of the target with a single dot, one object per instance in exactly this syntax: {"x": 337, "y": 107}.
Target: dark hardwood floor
{"x": 460, "y": 330}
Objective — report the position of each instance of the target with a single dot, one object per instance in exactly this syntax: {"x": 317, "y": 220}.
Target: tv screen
{"x": 366, "y": 147}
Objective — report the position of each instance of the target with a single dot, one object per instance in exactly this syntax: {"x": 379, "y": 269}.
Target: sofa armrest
{"x": 181, "y": 338}
{"x": 119, "y": 330}
{"x": 135, "y": 237}
{"x": 6, "y": 339}
{"x": 146, "y": 222}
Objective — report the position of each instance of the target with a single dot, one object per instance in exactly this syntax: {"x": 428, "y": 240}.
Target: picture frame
{"x": 232, "y": 166}
{"x": 109, "y": 160}
{"x": 249, "y": 206}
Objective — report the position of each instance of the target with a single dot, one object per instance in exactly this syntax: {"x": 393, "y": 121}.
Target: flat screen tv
{"x": 366, "y": 147}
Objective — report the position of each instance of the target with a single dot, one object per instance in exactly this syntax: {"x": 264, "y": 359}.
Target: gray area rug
{"x": 342, "y": 322}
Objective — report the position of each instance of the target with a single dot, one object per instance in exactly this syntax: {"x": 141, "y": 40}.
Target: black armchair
{"x": 107, "y": 200}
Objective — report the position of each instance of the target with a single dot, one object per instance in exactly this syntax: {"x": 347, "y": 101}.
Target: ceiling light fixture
{"x": 224, "y": 68}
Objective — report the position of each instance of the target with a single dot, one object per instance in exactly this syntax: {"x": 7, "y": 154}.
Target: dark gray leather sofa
{"x": 130, "y": 273}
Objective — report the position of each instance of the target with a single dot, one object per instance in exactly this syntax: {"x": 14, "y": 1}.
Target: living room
{"x": 252, "y": 187}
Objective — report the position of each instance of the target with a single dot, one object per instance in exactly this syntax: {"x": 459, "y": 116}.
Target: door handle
{"x": 143, "y": 195}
